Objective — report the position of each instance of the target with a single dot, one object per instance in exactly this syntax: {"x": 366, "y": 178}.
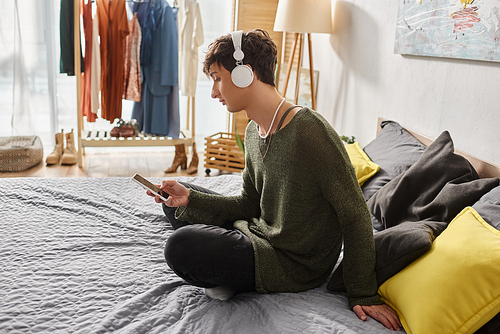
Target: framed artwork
{"x": 466, "y": 29}
{"x": 305, "y": 98}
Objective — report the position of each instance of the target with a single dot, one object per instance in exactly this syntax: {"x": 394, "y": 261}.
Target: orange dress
{"x": 113, "y": 30}
{"x": 86, "y": 10}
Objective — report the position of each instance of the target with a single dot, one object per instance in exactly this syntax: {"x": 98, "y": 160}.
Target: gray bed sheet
{"x": 85, "y": 255}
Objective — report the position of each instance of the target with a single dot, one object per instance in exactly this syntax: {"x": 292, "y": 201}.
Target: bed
{"x": 85, "y": 255}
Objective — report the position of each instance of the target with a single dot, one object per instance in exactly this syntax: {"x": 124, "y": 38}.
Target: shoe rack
{"x": 102, "y": 138}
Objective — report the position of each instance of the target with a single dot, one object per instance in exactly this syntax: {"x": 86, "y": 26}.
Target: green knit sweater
{"x": 297, "y": 207}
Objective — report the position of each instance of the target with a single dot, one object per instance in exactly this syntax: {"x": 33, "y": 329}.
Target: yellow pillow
{"x": 365, "y": 168}
{"x": 454, "y": 287}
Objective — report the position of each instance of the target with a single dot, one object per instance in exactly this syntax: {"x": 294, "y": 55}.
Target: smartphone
{"x": 149, "y": 186}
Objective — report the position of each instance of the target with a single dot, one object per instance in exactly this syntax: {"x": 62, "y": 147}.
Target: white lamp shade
{"x": 304, "y": 16}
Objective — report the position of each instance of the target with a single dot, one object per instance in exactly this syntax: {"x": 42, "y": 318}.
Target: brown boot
{"x": 180, "y": 159}
{"x": 193, "y": 166}
{"x": 55, "y": 156}
{"x": 70, "y": 155}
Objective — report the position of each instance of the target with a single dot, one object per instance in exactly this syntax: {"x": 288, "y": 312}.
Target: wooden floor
{"x": 148, "y": 164}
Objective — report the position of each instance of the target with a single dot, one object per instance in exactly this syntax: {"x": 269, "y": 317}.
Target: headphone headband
{"x": 238, "y": 53}
{"x": 242, "y": 75}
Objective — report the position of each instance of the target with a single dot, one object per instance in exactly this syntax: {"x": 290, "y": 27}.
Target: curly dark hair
{"x": 259, "y": 49}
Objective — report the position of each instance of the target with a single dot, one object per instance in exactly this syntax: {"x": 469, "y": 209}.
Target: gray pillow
{"x": 437, "y": 187}
{"x": 395, "y": 247}
{"x": 488, "y": 207}
{"x": 394, "y": 150}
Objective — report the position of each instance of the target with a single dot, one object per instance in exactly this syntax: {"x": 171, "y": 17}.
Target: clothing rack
{"x": 102, "y": 138}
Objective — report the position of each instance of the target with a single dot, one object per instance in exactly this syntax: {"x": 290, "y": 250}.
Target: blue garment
{"x": 145, "y": 15}
{"x": 158, "y": 111}
{"x": 166, "y": 120}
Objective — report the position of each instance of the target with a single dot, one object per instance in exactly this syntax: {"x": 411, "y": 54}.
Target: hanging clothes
{"x": 190, "y": 39}
{"x": 132, "y": 69}
{"x": 158, "y": 111}
{"x": 95, "y": 75}
{"x": 146, "y": 17}
{"x": 67, "y": 38}
{"x": 86, "y": 10}
{"x": 113, "y": 30}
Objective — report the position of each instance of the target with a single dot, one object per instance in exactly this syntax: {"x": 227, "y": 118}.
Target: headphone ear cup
{"x": 242, "y": 76}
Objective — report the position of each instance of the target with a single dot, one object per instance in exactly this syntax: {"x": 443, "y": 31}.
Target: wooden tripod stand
{"x": 299, "y": 39}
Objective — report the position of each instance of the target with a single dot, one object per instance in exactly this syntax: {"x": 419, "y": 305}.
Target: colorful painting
{"x": 467, "y": 29}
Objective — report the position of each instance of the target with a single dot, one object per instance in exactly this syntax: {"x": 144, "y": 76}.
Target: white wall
{"x": 362, "y": 79}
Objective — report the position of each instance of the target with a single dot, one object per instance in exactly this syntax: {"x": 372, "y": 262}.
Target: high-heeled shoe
{"x": 193, "y": 165}
{"x": 180, "y": 159}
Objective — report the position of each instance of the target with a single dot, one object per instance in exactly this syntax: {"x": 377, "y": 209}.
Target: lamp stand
{"x": 299, "y": 39}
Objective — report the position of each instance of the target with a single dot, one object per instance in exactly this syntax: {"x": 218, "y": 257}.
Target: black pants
{"x": 208, "y": 256}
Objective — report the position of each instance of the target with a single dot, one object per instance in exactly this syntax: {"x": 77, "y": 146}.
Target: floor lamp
{"x": 302, "y": 17}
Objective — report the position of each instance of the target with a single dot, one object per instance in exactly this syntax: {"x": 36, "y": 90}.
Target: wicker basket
{"x": 20, "y": 153}
{"x": 222, "y": 152}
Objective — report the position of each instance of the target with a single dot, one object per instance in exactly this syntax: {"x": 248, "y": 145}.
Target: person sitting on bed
{"x": 299, "y": 203}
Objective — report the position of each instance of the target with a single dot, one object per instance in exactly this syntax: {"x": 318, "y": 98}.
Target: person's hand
{"x": 178, "y": 194}
{"x": 382, "y": 313}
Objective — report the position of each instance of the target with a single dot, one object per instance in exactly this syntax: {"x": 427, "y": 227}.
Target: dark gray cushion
{"x": 396, "y": 248}
{"x": 488, "y": 207}
{"x": 394, "y": 150}
{"x": 437, "y": 187}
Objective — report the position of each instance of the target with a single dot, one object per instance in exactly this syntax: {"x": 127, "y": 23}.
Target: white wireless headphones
{"x": 242, "y": 75}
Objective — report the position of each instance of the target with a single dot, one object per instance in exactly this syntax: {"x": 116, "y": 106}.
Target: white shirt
{"x": 190, "y": 38}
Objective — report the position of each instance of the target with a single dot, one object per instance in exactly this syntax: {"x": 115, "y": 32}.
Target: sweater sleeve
{"x": 217, "y": 209}
{"x": 359, "y": 248}
{"x": 341, "y": 188}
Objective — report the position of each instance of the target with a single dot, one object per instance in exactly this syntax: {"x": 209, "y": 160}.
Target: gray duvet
{"x": 85, "y": 255}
